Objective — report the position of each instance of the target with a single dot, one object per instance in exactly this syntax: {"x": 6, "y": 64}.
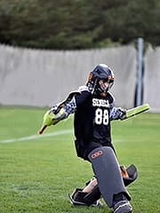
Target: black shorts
{"x": 84, "y": 150}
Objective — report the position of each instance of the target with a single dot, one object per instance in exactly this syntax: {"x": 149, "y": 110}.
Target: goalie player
{"x": 94, "y": 109}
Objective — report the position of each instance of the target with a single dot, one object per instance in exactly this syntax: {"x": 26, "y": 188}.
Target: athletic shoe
{"x": 122, "y": 206}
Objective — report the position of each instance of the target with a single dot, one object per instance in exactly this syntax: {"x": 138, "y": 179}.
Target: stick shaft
{"x": 136, "y": 110}
{"x": 42, "y": 129}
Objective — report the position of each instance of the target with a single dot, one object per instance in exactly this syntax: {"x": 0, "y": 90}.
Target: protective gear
{"x": 122, "y": 113}
{"x": 93, "y": 196}
{"x": 122, "y": 206}
{"x": 59, "y": 111}
{"x": 48, "y": 118}
{"x": 117, "y": 113}
{"x": 107, "y": 171}
{"x": 104, "y": 73}
{"x": 52, "y": 118}
{"x": 69, "y": 99}
{"x": 132, "y": 175}
{"x": 80, "y": 198}
{"x": 59, "y": 116}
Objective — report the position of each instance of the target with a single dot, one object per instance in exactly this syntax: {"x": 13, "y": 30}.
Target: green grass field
{"x": 38, "y": 172}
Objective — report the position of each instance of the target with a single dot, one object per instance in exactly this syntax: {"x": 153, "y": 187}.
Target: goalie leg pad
{"x": 92, "y": 196}
{"x": 95, "y": 194}
{"x": 107, "y": 171}
{"x": 132, "y": 175}
{"x": 77, "y": 198}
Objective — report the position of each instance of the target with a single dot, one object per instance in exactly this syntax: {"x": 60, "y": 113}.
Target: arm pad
{"x": 63, "y": 112}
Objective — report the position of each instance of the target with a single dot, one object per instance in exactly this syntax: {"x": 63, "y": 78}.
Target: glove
{"x": 50, "y": 118}
{"x": 47, "y": 121}
{"x": 59, "y": 116}
{"x": 122, "y": 113}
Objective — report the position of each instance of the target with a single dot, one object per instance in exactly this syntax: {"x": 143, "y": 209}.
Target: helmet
{"x": 100, "y": 80}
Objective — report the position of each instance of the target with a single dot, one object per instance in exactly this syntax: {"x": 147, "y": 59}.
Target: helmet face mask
{"x": 105, "y": 85}
{"x": 100, "y": 80}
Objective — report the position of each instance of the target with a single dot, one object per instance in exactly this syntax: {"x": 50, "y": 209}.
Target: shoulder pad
{"x": 83, "y": 88}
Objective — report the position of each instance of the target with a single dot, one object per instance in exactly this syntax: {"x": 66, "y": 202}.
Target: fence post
{"x": 140, "y": 70}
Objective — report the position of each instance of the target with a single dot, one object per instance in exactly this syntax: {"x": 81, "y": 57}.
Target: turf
{"x": 37, "y": 173}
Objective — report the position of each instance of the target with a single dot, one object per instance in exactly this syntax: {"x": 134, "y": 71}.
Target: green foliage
{"x": 80, "y": 24}
{"x": 38, "y": 172}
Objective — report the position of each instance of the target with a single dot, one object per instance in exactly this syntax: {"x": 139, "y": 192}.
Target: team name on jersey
{"x": 100, "y": 102}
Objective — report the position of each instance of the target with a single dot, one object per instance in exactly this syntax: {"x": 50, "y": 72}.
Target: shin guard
{"x": 93, "y": 197}
{"x": 107, "y": 171}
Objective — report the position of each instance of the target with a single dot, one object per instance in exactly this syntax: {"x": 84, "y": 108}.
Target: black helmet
{"x": 100, "y": 72}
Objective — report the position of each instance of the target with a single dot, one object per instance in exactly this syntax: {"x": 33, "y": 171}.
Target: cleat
{"x": 122, "y": 206}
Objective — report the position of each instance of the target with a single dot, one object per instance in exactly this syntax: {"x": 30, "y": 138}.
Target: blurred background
{"x": 48, "y": 48}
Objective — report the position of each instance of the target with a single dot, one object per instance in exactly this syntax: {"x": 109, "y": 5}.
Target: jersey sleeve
{"x": 77, "y": 100}
{"x": 115, "y": 112}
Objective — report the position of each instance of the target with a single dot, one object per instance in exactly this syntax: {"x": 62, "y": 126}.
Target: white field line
{"x": 46, "y": 135}
{"x": 34, "y": 137}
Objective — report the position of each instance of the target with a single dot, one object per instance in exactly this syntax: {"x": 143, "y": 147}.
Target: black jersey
{"x": 92, "y": 122}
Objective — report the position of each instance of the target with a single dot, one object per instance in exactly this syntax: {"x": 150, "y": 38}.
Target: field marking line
{"x": 46, "y": 135}
{"x": 34, "y": 137}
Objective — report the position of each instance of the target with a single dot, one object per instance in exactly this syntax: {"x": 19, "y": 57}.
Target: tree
{"x": 78, "y": 24}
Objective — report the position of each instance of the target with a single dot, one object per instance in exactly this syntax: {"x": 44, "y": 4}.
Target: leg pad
{"x": 107, "y": 171}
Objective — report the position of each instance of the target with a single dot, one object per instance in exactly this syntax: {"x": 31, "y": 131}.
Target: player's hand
{"x": 50, "y": 118}
{"x": 59, "y": 116}
{"x": 47, "y": 121}
{"x": 122, "y": 113}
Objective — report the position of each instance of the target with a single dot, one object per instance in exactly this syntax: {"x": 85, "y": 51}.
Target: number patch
{"x": 101, "y": 116}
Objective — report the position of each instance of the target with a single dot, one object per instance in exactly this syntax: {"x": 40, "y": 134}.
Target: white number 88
{"x": 101, "y": 116}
